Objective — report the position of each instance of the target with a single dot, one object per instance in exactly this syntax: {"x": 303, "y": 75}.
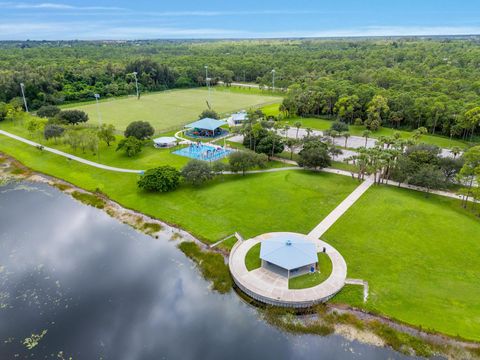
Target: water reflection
{"x": 102, "y": 290}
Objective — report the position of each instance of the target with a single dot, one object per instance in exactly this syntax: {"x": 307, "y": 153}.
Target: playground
{"x": 199, "y": 151}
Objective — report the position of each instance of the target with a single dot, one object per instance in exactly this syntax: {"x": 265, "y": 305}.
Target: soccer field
{"x": 170, "y": 109}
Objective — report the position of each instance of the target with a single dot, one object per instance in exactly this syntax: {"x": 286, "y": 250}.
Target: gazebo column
{"x": 288, "y": 276}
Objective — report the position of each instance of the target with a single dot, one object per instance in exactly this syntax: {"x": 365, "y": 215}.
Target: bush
{"x": 131, "y": 145}
{"x": 161, "y": 179}
{"x": 53, "y": 131}
{"x": 209, "y": 113}
{"x": 339, "y": 126}
{"x": 270, "y": 145}
{"x": 48, "y": 111}
{"x": 3, "y": 110}
{"x": 196, "y": 172}
{"x": 139, "y": 129}
{"x": 358, "y": 122}
{"x": 72, "y": 116}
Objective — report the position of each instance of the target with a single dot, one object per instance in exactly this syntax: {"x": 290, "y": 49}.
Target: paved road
{"x": 69, "y": 156}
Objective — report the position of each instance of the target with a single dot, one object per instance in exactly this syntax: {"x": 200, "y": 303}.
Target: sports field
{"x": 171, "y": 109}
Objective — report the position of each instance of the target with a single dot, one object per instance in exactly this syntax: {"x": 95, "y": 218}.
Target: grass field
{"x": 308, "y": 280}
{"x": 287, "y": 201}
{"x": 252, "y": 259}
{"x": 171, "y": 109}
{"x": 324, "y": 124}
{"x": 419, "y": 255}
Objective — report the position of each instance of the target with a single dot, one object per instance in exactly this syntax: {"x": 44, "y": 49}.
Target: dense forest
{"x": 404, "y": 83}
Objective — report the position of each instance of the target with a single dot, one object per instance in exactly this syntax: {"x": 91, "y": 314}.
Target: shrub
{"x": 131, "y": 145}
{"x": 48, "y": 111}
{"x": 196, "y": 172}
{"x": 72, "y": 116}
{"x": 161, "y": 179}
{"x": 358, "y": 122}
{"x": 139, "y": 129}
{"x": 53, "y": 131}
{"x": 339, "y": 126}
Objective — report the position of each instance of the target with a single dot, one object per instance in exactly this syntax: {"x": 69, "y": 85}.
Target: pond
{"x": 97, "y": 289}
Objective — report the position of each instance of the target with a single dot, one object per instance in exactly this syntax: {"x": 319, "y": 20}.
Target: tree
{"x": 245, "y": 160}
{"x": 131, "y": 145}
{"x": 456, "y": 150}
{"x": 106, "y": 133}
{"x": 270, "y": 145}
{"x": 429, "y": 177}
{"x": 366, "y": 134}
{"x": 3, "y": 110}
{"x": 72, "y": 116}
{"x": 418, "y": 133}
{"x": 470, "y": 172}
{"x": 219, "y": 167}
{"x": 298, "y": 125}
{"x": 48, "y": 111}
{"x": 472, "y": 119}
{"x": 346, "y": 135}
{"x": 139, "y": 129}
{"x": 209, "y": 113}
{"x": 314, "y": 155}
{"x": 377, "y": 109}
{"x": 160, "y": 179}
{"x": 347, "y": 107}
{"x": 339, "y": 126}
{"x": 197, "y": 172}
{"x": 53, "y": 131}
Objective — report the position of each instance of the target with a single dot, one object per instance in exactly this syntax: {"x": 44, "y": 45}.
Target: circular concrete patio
{"x": 271, "y": 288}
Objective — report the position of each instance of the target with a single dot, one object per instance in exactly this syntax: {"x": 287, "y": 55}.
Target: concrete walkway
{"x": 271, "y": 288}
{"x": 331, "y": 218}
{"x": 69, "y": 156}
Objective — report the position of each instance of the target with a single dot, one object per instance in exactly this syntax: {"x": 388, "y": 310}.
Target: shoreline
{"x": 10, "y": 168}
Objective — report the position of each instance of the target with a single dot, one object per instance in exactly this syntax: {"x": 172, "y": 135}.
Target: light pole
{"x": 22, "y": 87}
{"x": 207, "y": 81}
{"x": 136, "y": 84}
{"x": 273, "y": 79}
{"x": 97, "y": 96}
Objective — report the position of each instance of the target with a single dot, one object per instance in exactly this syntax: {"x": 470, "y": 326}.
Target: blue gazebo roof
{"x": 289, "y": 251}
{"x": 207, "y": 124}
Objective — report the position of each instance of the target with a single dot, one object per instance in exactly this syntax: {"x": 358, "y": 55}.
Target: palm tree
{"x": 308, "y": 131}
{"x": 346, "y": 135}
{"x": 366, "y": 134}
{"x": 285, "y": 129}
{"x": 298, "y": 125}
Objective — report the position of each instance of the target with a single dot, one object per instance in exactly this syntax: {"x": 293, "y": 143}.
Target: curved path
{"x": 69, "y": 156}
{"x": 270, "y": 288}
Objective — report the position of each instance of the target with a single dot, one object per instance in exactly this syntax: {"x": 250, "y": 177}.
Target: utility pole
{"x": 99, "y": 116}
{"x": 207, "y": 82}
{"x": 22, "y": 87}
{"x": 136, "y": 84}
{"x": 273, "y": 79}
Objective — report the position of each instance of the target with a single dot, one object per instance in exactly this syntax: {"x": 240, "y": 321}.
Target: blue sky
{"x": 140, "y": 19}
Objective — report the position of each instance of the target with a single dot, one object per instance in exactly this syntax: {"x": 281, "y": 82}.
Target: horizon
{"x": 120, "y": 21}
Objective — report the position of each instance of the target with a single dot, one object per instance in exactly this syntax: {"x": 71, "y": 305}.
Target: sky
{"x": 160, "y": 19}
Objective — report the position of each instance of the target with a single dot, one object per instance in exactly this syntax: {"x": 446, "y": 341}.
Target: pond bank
{"x": 353, "y": 328}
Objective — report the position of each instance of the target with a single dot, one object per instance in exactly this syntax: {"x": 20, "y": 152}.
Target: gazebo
{"x": 206, "y": 128}
{"x": 290, "y": 255}
{"x": 164, "y": 142}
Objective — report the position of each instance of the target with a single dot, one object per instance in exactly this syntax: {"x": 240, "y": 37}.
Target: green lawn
{"x": 171, "y": 109}
{"x": 252, "y": 259}
{"x": 419, "y": 255}
{"x": 308, "y": 280}
{"x": 282, "y": 201}
{"x": 324, "y": 124}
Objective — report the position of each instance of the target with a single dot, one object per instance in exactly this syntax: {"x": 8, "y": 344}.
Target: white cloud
{"x": 116, "y": 30}
{"x": 53, "y": 6}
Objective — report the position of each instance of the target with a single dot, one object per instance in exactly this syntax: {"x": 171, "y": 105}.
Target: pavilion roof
{"x": 289, "y": 251}
{"x": 206, "y": 124}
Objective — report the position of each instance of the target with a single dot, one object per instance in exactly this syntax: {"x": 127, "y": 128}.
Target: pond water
{"x": 104, "y": 291}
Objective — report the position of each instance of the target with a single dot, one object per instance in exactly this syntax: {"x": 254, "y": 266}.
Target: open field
{"x": 171, "y": 109}
{"x": 287, "y": 201}
{"x": 419, "y": 255}
{"x": 324, "y": 124}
